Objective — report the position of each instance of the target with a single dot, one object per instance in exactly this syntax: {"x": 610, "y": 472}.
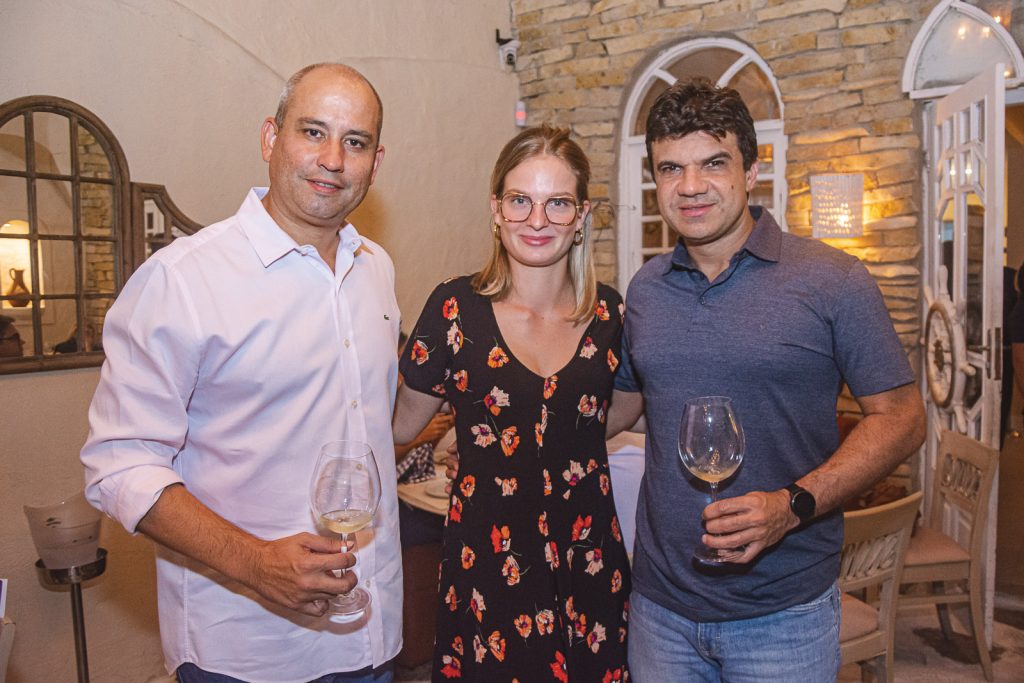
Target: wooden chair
{"x": 964, "y": 475}
{"x": 6, "y": 643}
{"x": 874, "y": 546}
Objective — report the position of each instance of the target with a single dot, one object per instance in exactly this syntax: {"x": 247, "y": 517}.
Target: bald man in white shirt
{"x": 232, "y": 356}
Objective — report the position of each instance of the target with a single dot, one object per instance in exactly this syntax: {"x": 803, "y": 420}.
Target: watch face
{"x": 802, "y": 503}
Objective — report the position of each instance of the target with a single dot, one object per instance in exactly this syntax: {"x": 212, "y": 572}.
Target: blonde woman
{"x": 534, "y": 574}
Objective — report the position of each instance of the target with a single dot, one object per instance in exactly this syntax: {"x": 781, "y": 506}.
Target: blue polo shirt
{"x": 780, "y": 330}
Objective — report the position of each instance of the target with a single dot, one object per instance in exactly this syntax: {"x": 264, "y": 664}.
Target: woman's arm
{"x": 625, "y": 412}
{"x": 413, "y": 410}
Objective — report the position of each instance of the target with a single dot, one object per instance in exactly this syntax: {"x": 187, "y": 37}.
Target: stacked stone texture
{"x": 97, "y": 202}
{"x": 838, "y": 64}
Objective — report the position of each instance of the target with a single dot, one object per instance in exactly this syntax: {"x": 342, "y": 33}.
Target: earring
{"x": 577, "y": 238}
{"x": 496, "y": 230}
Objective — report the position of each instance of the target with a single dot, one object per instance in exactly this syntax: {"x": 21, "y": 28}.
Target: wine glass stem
{"x": 344, "y": 548}
{"x": 714, "y": 491}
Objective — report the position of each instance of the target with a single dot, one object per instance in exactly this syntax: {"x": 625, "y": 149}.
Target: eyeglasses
{"x": 516, "y": 208}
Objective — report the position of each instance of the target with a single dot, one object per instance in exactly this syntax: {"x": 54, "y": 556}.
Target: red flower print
{"x": 510, "y": 570}
{"x": 468, "y": 485}
{"x": 551, "y": 554}
{"x": 570, "y": 611}
{"x": 508, "y": 486}
{"x": 547, "y": 483}
{"x": 591, "y": 465}
{"x": 616, "y": 581}
{"x": 613, "y": 362}
{"x": 450, "y": 309}
{"x": 496, "y": 400}
{"x": 542, "y": 523}
{"x": 545, "y": 622}
{"x": 616, "y": 532}
{"x": 484, "y": 435}
{"x": 497, "y": 645}
{"x": 476, "y": 604}
{"x": 453, "y": 604}
{"x": 468, "y": 557}
{"x": 588, "y": 405}
{"x": 605, "y": 483}
{"x": 419, "y": 353}
{"x": 500, "y": 538}
{"x": 455, "y": 338}
{"x": 509, "y": 440}
{"x": 457, "y": 645}
{"x": 622, "y": 312}
{"x": 613, "y": 676}
{"x": 601, "y": 310}
{"x": 602, "y": 412}
{"x": 589, "y": 348}
{"x": 550, "y": 384}
{"x": 461, "y": 380}
{"x": 452, "y": 667}
{"x": 558, "y": 668}
{"x": 455, "y": 511}
{"x": 497, "y": 357}
{"x": 581, "y": 527}
{"x": 524, "y": 624}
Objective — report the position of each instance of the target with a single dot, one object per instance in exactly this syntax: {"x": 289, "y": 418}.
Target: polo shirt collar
{"x": 271, "y": 242}
{"x": 764, "y": 242}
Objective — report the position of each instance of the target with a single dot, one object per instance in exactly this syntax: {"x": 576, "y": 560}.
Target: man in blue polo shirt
{"x": 778, "y": 323}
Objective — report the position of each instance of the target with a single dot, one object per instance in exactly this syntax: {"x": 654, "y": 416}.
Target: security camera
{"x": 507, "y": 53}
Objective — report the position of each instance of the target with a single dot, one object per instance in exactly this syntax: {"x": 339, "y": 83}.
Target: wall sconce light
{"x": 837, "y": 205}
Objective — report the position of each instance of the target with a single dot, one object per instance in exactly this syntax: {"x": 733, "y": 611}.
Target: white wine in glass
{"x": 711, "y": 447}
{"x": 344, "y": 495}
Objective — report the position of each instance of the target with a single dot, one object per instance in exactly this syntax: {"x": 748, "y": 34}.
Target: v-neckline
{"x": 512, "y": 356}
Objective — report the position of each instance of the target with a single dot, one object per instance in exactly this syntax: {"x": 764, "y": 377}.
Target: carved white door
{"x": 964, "y": 243}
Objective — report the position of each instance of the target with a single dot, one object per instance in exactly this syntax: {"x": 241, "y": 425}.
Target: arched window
{"x": 73, "y": 227}
{"x": 956, "y": 43}
{"x": 727, "y": 62}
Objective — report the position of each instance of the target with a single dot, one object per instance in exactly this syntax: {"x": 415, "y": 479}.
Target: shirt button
{"x": 355, "y": 403}
{"x": 347, "y": 343}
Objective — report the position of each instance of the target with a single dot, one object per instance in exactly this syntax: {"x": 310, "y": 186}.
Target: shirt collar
{"x": 271, "y": 242}
{"x": 764, "y": 242}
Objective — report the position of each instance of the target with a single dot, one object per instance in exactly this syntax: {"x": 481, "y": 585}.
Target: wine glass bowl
{"x": 711, "y": 447}
{"x": 344, "y": 496}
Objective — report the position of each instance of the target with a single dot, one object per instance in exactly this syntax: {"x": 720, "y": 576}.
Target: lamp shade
{"x": 837, "y": 205}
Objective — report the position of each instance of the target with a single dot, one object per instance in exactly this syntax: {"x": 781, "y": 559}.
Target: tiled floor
{"x": 917, "y": 659}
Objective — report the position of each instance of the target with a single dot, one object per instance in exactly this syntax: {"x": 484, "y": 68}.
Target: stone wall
{"x": 838, "y": 64}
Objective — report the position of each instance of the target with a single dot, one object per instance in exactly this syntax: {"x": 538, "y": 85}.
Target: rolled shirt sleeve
{"x": 137, "y": 417}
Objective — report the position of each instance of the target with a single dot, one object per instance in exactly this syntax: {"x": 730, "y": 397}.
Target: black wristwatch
{"x": 801, "y": 502}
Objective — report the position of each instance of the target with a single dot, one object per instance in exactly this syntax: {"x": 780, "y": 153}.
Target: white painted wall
{"x": 184, "y": 85}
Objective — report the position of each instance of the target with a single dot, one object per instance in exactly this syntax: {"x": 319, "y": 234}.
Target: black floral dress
{"x": 534, "y": 575}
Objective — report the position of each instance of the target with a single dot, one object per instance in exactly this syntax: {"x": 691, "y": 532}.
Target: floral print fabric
{"x": 534, "y": 580}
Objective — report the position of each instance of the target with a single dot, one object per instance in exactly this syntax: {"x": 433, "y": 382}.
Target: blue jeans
{"x": 190, "y": 673}
{"x": 797, "y": 644}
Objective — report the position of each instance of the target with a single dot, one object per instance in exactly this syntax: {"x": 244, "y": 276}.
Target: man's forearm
{"x": 893, "y": 427}
{"x": 179, "y": 521}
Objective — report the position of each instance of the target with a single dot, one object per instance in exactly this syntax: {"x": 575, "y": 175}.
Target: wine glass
{"x": 344, "y": 496}
{"x": 711, "y": 448}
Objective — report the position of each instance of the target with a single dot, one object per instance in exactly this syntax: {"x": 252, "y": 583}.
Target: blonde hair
{"x": 495, "y": 278}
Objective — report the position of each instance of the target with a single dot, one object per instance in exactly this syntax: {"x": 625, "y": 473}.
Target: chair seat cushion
{"x": 929, "y": 546}
{"x": 859, "y": 618}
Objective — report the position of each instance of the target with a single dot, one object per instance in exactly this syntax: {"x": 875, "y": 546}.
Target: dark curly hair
{"x": 698, "y": 105}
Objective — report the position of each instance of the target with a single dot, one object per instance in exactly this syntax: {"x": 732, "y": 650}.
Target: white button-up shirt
{"x": 232, "y": 355}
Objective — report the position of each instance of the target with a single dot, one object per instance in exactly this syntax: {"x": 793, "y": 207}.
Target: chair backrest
{"x": 964, "y": 472}
{"x": 875, "y": 544}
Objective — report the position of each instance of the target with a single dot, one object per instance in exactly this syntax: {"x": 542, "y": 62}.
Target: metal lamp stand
{"x": 74, "y": 576}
